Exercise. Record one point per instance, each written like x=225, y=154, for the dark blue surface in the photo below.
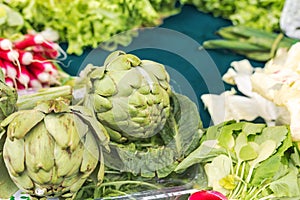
x=177, y=45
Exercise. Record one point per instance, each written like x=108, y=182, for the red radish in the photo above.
x=207, y=195
x=5, y=44
x=9, y=82
x=20, y=86
x=45, y=52
x=23, y=77
x=3, y=68
x=11, y=70
x=32, y=40
x=43, y=64
x=29, y=40
x=25, y=57
x=9, y=55
x=34, y=82
x=41, y=74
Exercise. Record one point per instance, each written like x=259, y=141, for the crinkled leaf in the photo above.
x=7, y=186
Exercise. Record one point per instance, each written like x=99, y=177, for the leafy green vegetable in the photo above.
x=288, y=185
x=253, y=13
x=88, y=23
x=259, y=163
x=10, y=21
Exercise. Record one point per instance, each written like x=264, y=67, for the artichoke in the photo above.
x=8, y=98
x=51, y=150
x=131, y=97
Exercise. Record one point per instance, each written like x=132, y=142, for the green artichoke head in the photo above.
x=129, y=96
x=8, y=98
x=51, y=150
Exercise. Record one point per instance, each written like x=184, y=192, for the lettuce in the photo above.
x=253, y=13
x=88, y=23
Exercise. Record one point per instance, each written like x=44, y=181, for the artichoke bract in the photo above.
x=8, y=98
x=51, y=150
x=130, y=97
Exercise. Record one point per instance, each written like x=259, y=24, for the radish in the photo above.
x=43, y=66
x=5, y=44
x=34, y=82
x=41, y=74
x=45, y=52
x=9, y=82
x=207, y=195
x=37, y=41
x=23, y=77
x=29, y=40
x=11, y=71
x=3, y=68
x=25, y=57
x=10, y=55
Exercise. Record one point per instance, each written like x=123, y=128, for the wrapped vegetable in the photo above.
x=51, y=150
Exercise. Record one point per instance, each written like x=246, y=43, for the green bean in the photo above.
x=232, y=45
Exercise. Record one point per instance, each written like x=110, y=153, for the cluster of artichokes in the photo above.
x=51, y=148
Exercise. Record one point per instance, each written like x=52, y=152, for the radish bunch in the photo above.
x=29, y=62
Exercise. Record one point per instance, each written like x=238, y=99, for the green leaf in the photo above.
x=266, y=149
x=295, y=157
x=205, y=152
x=266, y=170
x=253, y=129
x=288, y=185
x=226, y=139
x=275, y=133
x=188, y=125
x=247, y=152
x=7, y=186
x=214, y=132
x=241, y=140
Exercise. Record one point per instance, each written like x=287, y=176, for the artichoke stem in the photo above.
x=29, y=101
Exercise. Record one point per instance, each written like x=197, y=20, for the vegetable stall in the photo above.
x=152, y=99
